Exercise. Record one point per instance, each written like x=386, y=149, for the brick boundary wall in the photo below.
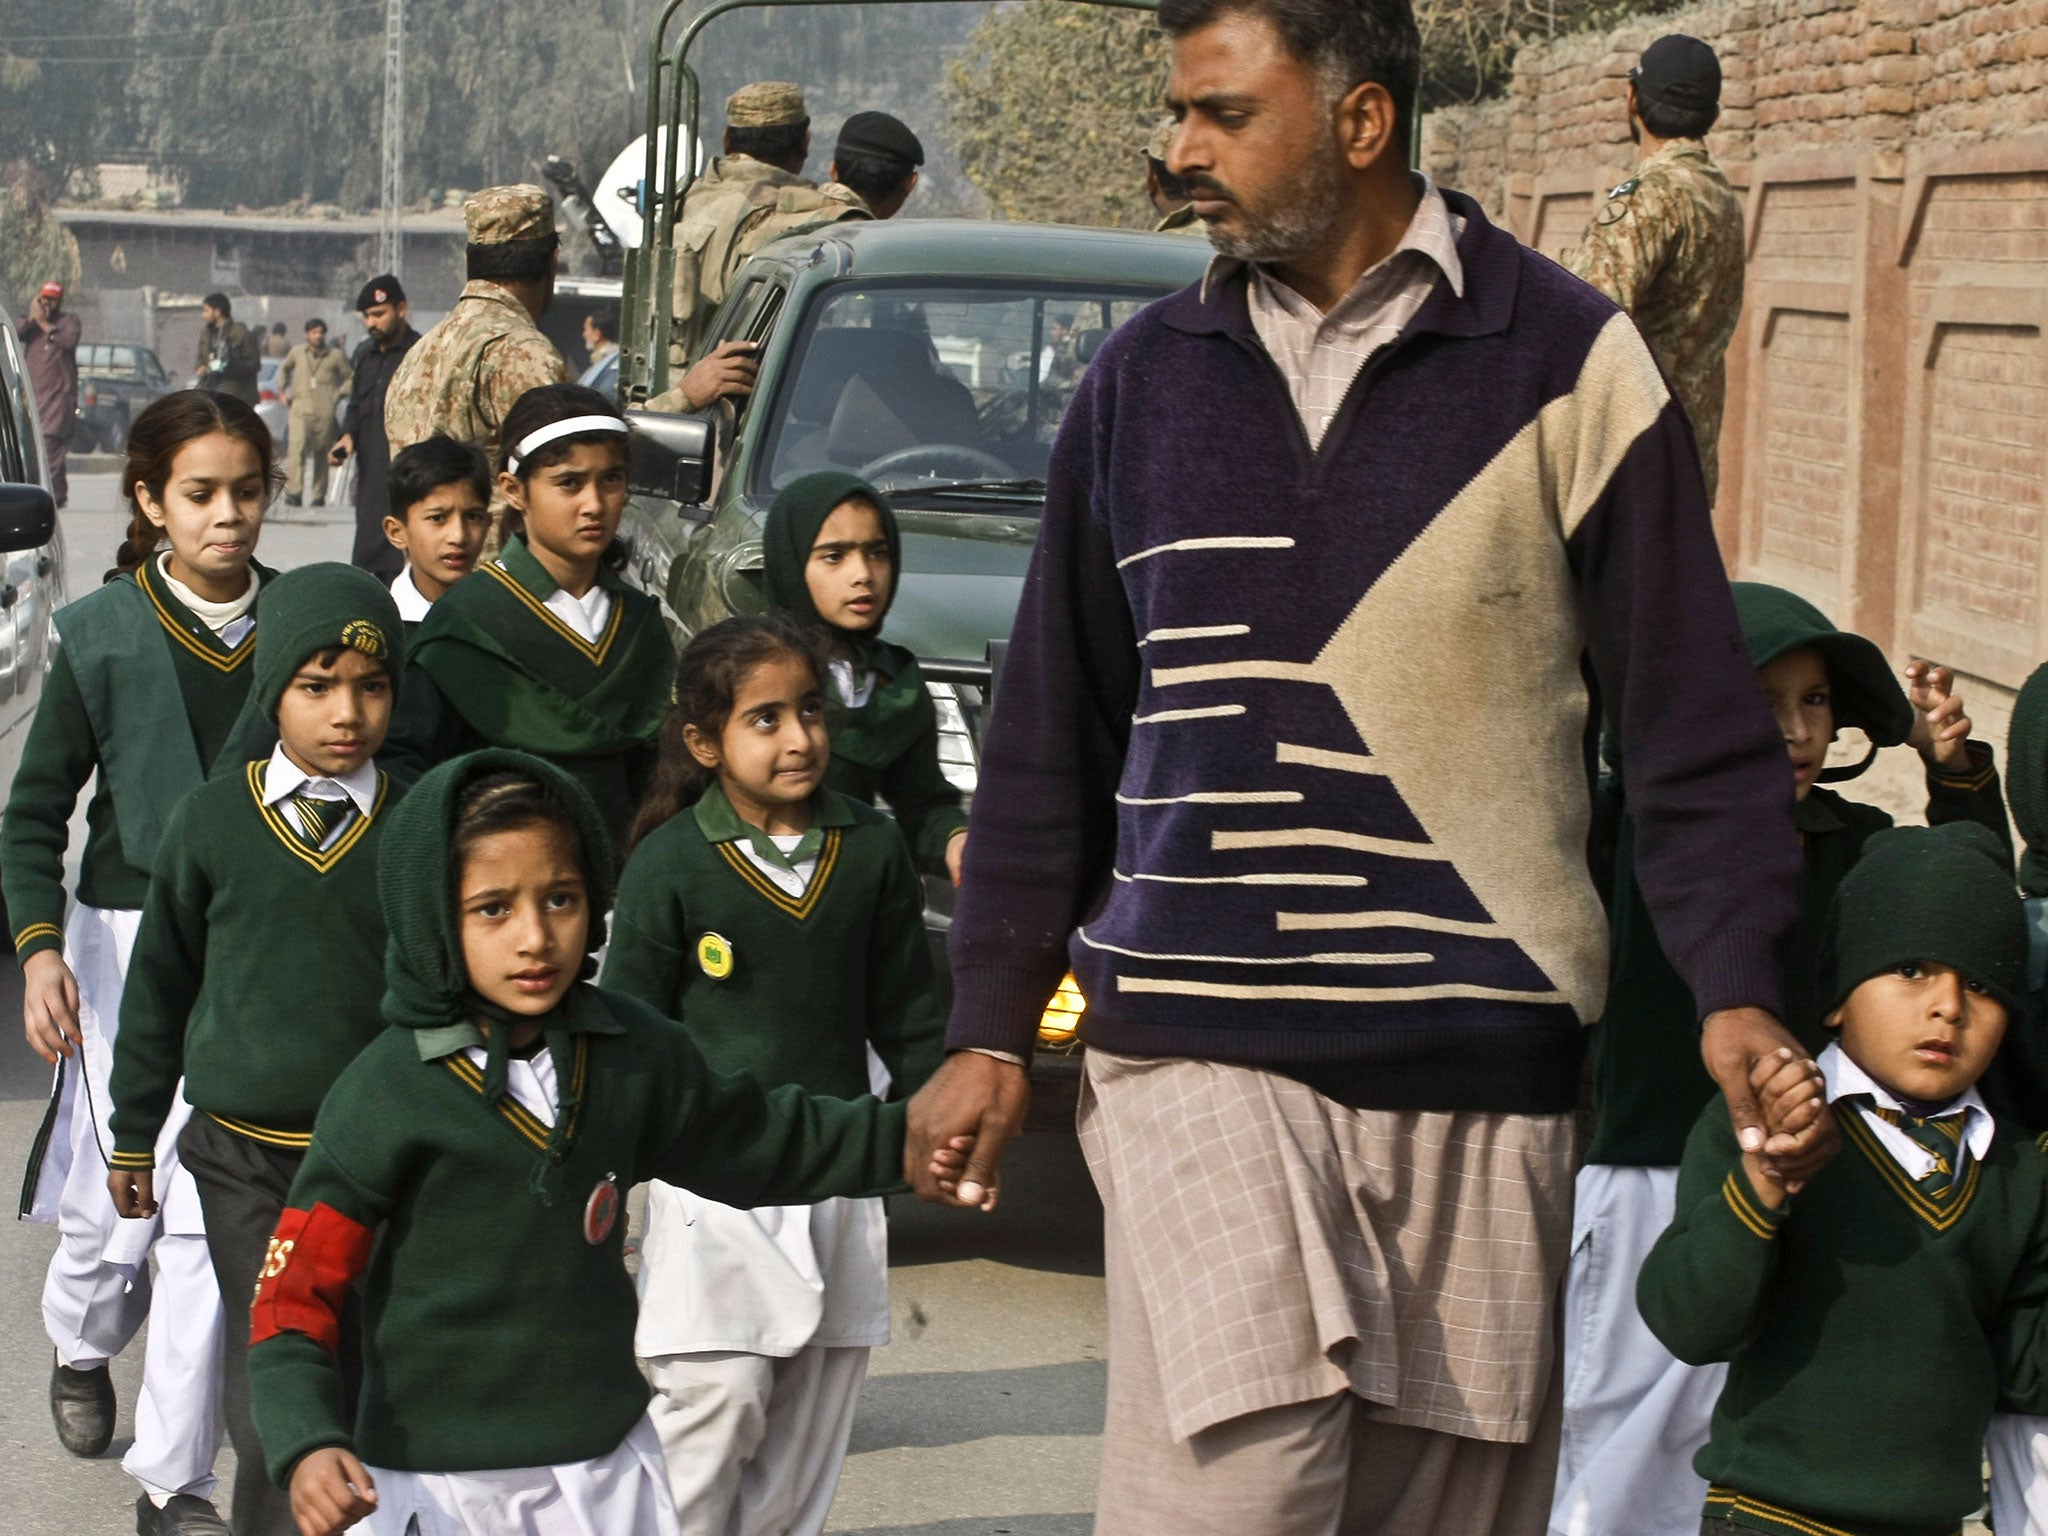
x=1885, y=450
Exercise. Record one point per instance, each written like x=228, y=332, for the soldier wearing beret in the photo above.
x=464, y=375
x=1169, y=197
x=873, y=172
x=1668, y=244
x=389, y=337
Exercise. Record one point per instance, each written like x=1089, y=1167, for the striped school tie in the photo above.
x=317, y=822
x=1941, y=1137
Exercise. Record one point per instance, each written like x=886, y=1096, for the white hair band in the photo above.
x=570, y=426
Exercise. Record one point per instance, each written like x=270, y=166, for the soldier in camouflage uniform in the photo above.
x=464, y=374
x=1176, y=209
x=767, y=140
x=1668, y=244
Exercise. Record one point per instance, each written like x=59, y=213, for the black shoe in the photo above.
x=82, y=1403
x=182, y=1515
x=320, y=501
x=291, y=498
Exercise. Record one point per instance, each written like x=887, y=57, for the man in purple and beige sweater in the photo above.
x=1347, y=554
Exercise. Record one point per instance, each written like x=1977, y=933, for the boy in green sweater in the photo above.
x=490, y=1137
x=1870, y=1318
x=440, y=497
x=255, y=968
x=1634, y=1416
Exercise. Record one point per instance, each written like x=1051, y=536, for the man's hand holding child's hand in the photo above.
x=330, y=1492
x=1792, y=1094
x=1941, y=731
x=949, y=1162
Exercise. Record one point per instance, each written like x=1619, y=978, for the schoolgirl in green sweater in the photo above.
x=544, y=648
x=489, y=1138
x=148, y=676
x=783, y=924
x=1871, y=1318
x=253, y=977
x=832, y=556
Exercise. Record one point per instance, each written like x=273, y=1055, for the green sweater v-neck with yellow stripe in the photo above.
x=258, y=971
x=498, y=1314
x=142, y=693
x=786, y=988
x=1868, y=1333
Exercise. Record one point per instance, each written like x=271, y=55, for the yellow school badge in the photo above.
x=362, y=635
x=714, y=956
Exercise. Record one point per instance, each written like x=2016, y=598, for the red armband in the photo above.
x=314, y=1258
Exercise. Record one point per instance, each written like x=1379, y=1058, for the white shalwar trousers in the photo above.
x=624, y=1493
x=98, y=1288
x=2018, y=1447
x=1633, y=1414
x=754, y=1443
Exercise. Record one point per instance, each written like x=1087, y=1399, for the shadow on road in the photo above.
x=987, y=1525
x=1028, y=1400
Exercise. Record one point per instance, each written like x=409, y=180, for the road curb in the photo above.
x=93, y=463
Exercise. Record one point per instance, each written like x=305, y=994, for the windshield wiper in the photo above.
x=1020, y=487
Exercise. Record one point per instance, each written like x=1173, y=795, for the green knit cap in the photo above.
x=1941, y=894
x=1867, y=695
x=2026, y=779
x=799, y=511
x=426, y=986
x=317, y=608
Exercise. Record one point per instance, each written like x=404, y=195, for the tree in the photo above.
x=1049, y=109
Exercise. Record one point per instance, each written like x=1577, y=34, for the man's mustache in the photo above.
x=1201, y=185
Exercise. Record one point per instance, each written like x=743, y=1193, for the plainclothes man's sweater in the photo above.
x=787, y=988
x=257, y=970
x=1648, y=1080
x=142, y=693
x=1866, y=1331
x=1297, y=745
x=498, y=1314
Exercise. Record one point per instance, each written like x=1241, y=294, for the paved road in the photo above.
x=982, y=1419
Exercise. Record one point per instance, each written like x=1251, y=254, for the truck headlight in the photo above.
x=959, y=753
x=1059, y=1026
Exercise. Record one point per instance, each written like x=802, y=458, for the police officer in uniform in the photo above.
x=1668, y=244
x=312, y=379
x=388, y=337
x=1169, y=198
x=876, y=159
x=467, y=371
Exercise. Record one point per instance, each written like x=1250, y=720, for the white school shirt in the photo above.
x=586, y=614
x=1844, y=1078
x=772, y=1280
x=230, y=620
x=282, y=777
x=530, y=1080
x=852, y=691
x=413, y=604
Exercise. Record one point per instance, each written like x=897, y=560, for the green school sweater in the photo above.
x=131, y=663
x=492, y=666
x=1866, y=1332
x=889, y=748
x=786, y=988
x=498, y=1327
x=257, y=972
x=1648, y=1080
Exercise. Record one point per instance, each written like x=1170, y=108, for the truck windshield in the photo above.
x=925, y=386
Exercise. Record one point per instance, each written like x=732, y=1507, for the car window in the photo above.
x=121, y=359
x=152, y=369
x=913, y=385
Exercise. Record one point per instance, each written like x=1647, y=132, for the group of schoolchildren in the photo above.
x=333, y=1041
x=1839, y=1357
x=363, y=1032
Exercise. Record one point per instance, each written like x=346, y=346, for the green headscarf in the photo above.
x=798, y=513
x=312, y=609
x=1867, y=695
x=1941, y=894
x=2026, y=779
x=426, y=985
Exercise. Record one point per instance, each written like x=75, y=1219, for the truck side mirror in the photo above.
x=28, y=517
x=670, y=458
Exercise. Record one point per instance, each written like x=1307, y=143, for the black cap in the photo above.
x=1679, y=72
x=380, y=290
x=877, y=133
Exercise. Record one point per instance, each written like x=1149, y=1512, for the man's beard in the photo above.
x=1303, y=212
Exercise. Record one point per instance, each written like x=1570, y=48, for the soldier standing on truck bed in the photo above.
x=1668, y=244
x=767, y=141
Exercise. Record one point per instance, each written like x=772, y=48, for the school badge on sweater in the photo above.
x=601, y=1211
x=714, y=956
